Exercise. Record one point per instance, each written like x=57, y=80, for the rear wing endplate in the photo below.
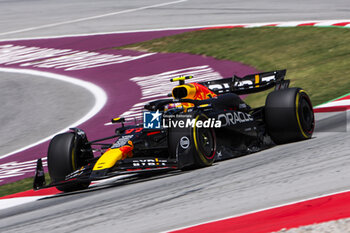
x=249, y=84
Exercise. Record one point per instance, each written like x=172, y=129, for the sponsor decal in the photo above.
x=184, y=142
x=232, y=118
x=75, y=173
x=220, y=87
x=122, y=141
x=149, y=162
x=243, y=83
x=135, y=130
x=152, y=120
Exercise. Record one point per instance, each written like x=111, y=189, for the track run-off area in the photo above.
x=217, y=183
x=274, y=177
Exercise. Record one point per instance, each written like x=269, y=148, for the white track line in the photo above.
x=246, y=25
x=98, y=93
x=335, y=104
x=90, y=18
x=12, y=202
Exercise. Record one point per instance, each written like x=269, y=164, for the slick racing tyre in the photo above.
x=63, y=158
x=289, y=115
x=205, y=144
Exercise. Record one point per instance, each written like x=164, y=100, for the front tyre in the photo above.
x=63, y=158
x=289, y=115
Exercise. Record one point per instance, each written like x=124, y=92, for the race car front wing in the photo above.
x=126, y=166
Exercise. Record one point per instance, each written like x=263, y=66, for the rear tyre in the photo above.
x=289, y=115
x=63, y=158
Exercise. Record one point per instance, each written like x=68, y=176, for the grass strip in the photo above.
x=316, y=59
x=19, y=186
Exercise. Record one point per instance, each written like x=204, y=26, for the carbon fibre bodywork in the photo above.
x=137, y=149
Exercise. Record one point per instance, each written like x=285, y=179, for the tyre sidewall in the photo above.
x=284, y=117
x=60, y=156
x=62, y=160
x=201, y=158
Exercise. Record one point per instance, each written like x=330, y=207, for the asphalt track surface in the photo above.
x=33, y=18
x=34, y=107
x=269, y=178
x=272, y=177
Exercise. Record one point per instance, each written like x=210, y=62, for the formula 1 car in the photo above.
x=202, y=123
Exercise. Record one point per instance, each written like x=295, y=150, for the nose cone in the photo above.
x=111, y=156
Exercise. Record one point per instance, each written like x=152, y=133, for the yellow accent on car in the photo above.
x=257, y=80
x=203, y=105
x=186, y=91
x=73, y=160
x=108, y=159
x=297, y=112
x=182, y=78
x=118, y=120
x=196, y=143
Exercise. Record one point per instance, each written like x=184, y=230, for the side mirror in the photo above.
x=118, y=120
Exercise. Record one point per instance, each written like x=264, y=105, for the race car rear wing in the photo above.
x=249, y=84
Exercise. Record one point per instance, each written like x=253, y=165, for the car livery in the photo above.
x=202, y=123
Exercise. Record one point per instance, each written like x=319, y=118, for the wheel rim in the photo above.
x=306, y=115
x=206, y=142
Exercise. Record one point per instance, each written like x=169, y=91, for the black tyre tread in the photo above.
x=62, y=161
x=59, y=156
x=285, y=123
